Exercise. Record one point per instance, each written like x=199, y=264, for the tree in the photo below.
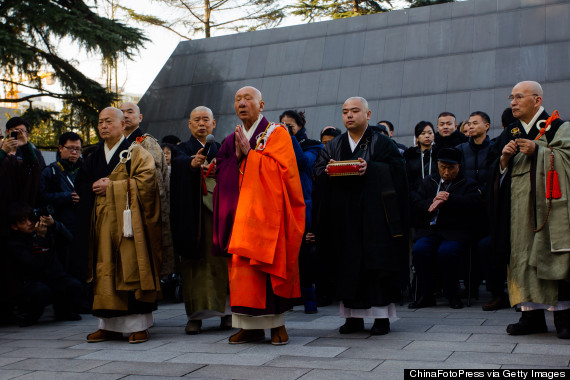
x=30, y=32
x=313, y=10
x=190, y=17
x=423, y=3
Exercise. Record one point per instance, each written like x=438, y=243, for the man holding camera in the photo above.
x=40, y=275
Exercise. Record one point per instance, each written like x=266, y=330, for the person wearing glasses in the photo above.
x=530, y=214
x=57, y=189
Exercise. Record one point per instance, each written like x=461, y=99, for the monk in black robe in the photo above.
x=362, y=221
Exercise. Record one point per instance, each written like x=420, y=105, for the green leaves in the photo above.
x=30, y=32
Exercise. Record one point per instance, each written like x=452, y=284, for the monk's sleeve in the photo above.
x=271, y=206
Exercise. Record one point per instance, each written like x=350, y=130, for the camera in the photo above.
x=14, y=135
x=42, y=211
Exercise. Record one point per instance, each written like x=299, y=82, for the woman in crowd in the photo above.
x=419, y=160
x=306, y=152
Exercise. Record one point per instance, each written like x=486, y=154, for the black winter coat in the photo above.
x=34, y=258
x=474, y=161
x=56, y=187
x=455, y=219
x=413, y=158
x=450, y=141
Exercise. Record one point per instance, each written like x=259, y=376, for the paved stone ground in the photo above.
x=437, y=337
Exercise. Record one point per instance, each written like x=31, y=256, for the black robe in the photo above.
x=363, y=221
x=133, y=136
x=186, y=197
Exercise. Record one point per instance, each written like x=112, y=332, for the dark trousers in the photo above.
x=495, y=270
x=64, y=292
x=432, y=254
x=307, y=264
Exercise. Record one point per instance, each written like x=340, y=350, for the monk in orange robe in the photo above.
x=259, y=220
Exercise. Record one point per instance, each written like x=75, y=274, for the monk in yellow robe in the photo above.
x=259, y=220
x=124, y=265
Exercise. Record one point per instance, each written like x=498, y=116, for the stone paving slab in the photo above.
x=386, y=353
x=50, y=375
x=409, y=326
x=461, y=346
x=41, y=343
x=289, y=349
x=11, y=373
x=247, y=372
x=320, y=374
x=237, y=359
x=131, y=356
x=5, y=360
x=59, y=365
x=435, y=336
x=546, y=338
x=363, y=343
x=325, y=363
x=468, y=329
x=154, y=369
x=118, y=345
x=542, y=349
x=516, y=359
x=191, y=346
x=444, y=321
x=44, y=353
x=401, y=365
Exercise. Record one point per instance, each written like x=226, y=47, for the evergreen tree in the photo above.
x=423, y=3
x=189, y=17
x=313, y=10
x=30, y=32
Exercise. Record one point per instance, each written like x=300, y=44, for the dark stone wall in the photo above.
x=409, y=64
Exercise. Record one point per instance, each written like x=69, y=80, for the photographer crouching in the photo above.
x=31, y=255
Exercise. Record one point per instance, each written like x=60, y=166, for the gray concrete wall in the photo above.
x=410, y=64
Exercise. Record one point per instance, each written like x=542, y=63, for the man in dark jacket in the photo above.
x=447, y=136
x=32, y=256
x=57, y=189
x=443, y=208
x=18, y=124
x=475, y=166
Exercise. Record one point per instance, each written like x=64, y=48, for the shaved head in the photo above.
x=526, y=100
x=127, y=105
x=111, y=125
x=252, y=90
x=363, y=102
x=114, y=110
x=532, y=86
x=202, y=109
x=248, y=104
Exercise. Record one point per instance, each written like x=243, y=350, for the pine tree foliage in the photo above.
x=314, y=10
x=423, y=3
x=30, y=32
x=188, y=18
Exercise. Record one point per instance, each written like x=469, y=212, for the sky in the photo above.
x=136, y=75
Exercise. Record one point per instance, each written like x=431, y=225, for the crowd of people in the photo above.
x=268, y=218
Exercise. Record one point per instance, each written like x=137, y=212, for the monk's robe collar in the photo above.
x=527, y=127
x=251, y=132
x=258, y=128
x=109, y=152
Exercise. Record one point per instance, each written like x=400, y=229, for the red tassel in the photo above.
x=553, y=184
